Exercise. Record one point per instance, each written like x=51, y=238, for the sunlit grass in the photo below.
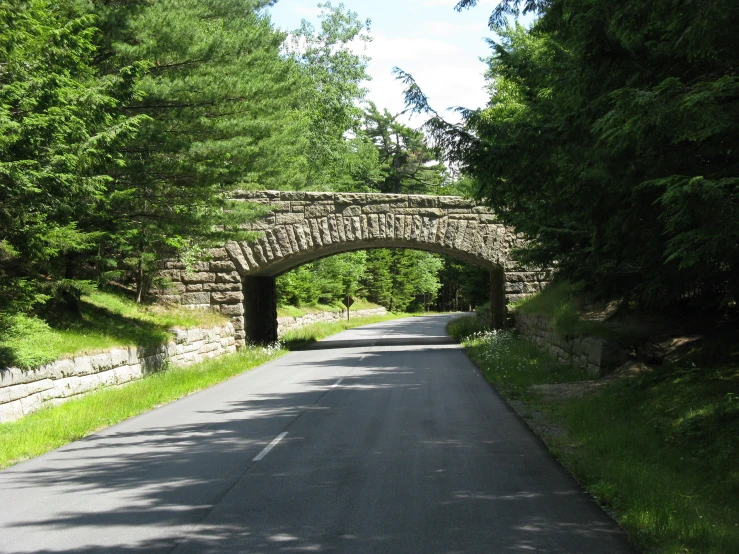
x=108, y=320
x=659, y=451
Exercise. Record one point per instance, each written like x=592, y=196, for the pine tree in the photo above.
x=59, y=128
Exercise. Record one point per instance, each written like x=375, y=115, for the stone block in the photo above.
x=289, y=219
x=416, y=201
x=196, y=298
x=376, y=209
x=194, y=288
x=232, y=309
x=318, y=210
x=217, y=254
x=232, y=277
x=11, y=411
x=107, y=378
x=352, y=211
x=199, y=277
x=227, y=297
x=83, y=365
x=279, y=206
x=453, y=202
x=101, y=362
x=61, y=368
x=13, y=393
x=222, y=267
x=222, y=287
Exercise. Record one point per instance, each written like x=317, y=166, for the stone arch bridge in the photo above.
x=300, y=227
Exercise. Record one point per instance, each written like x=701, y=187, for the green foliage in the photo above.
x=333, y=77
x=324, y=281
x=610, y=139
x=59, y=128
x=408, y=164
x=299, y=338
x=216, y=91
x=402, y=279
x=464, y=285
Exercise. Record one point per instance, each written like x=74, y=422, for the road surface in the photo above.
x=380, y=439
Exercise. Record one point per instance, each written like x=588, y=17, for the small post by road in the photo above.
x=348, y=301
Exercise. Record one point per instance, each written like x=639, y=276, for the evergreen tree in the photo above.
x=216, y=93
x=408, y=164
x=59, y=128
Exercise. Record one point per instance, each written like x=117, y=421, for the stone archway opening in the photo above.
x=260, y=303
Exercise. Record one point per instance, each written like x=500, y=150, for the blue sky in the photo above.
x=440, y=47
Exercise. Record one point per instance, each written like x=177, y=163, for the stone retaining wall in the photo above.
x=598, y=356
x=25, y=391
x=287, y=323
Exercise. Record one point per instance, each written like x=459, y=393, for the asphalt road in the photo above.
x=389, y=441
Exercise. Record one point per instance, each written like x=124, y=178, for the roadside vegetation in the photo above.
x=105, y=320
x=657, y=450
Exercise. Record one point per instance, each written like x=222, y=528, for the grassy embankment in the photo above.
x=108, y=320
x=658, y=450
x=114, y=322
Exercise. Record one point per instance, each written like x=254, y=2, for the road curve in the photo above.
x=381, y=439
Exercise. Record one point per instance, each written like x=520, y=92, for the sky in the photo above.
x=440, y=47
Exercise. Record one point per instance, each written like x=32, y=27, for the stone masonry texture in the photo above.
x=596, y=355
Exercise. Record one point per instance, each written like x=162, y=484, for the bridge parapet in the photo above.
x=303, y=226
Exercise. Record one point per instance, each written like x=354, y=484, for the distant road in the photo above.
x=381, y=439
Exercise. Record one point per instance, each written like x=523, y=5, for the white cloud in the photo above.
x=446, y=74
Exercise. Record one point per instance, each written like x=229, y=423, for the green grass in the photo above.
x=299, y=311
x=658, y=451
x=53, y=427
x=309, y=334
x=108, y=320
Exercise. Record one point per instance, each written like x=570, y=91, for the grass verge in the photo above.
x=108, y=320
x=53, y=427
x=658, y=450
